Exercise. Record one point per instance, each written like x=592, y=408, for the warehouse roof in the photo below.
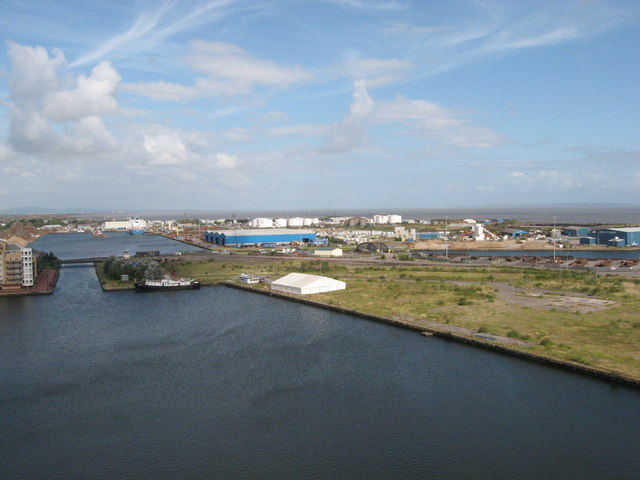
x=626, y=229
x=303, y=283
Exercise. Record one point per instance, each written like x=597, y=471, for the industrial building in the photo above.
x=250, y=237
x=384, y=219
x=17, y=266
x=328, y=252
x=303, y=284
x=576, y=231
x=617, y=237
x=587, y=241
x=131, y=223
x=249, y=279
x=428, y=235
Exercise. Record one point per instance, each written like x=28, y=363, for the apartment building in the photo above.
x=17, y=266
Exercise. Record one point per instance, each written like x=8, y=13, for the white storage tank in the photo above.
x=295, y=222
x=307, y=222
x=264, y=223
x=395, y=219
x=280, y=222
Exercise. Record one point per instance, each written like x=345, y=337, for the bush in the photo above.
x=518, y=335
x=462, y=301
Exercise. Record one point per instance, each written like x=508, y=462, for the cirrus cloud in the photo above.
x=229, y=69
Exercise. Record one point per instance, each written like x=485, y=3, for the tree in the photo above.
x=153, y=271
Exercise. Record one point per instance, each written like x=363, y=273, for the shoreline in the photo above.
x=476, y=342
x=408, y=324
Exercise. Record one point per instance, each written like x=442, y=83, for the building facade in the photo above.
x=132, y=223
x=576, y=231
x=17, y=266
x=617, y=237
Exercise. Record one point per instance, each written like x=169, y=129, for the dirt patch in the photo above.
x=551, y=300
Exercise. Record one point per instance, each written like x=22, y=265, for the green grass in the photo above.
x=465, y=296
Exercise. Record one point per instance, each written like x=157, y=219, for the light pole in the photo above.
x=553, y=239
x=446, y=233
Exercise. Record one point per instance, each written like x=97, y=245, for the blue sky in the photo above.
x=237, y=104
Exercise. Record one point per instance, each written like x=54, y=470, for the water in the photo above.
x=82, y=245
x=219, y=383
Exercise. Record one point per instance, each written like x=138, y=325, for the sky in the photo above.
x=318, y=104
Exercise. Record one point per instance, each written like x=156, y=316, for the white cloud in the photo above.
x=93, y=95
x=497, y=29
x=226, y=161
x=445, y=125
x=49, y=119
x=33, y=73
x=230, y=71
x=426, y=119
x=165, y=149
x=5, y=152
x=89, y=135
x=377, y=71
x=352, y=132
x=152, y=28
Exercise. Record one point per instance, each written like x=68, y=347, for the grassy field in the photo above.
x=608, y=339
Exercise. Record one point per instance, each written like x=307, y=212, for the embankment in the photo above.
x=477, y=342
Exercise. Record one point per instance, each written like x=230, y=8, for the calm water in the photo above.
x=82, y=245
x=219, y=383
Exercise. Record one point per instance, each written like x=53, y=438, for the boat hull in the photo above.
x=141, y=287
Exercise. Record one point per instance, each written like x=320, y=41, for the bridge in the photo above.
x=71, y=261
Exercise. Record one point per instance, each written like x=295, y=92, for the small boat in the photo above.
x=166, y=284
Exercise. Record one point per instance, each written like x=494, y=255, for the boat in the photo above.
x=136, y=231
x=166, y=284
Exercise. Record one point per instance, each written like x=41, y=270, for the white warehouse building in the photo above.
x=304, y=284
x=131, y=223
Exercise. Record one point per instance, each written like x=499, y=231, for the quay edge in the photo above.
x=476, y=342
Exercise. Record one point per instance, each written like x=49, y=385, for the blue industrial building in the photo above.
x=428, y=235
x=617, y=237
x=320, y=242
x=257, y=237
x=576, y=231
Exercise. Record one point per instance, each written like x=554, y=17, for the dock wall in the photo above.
x=414, y=326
